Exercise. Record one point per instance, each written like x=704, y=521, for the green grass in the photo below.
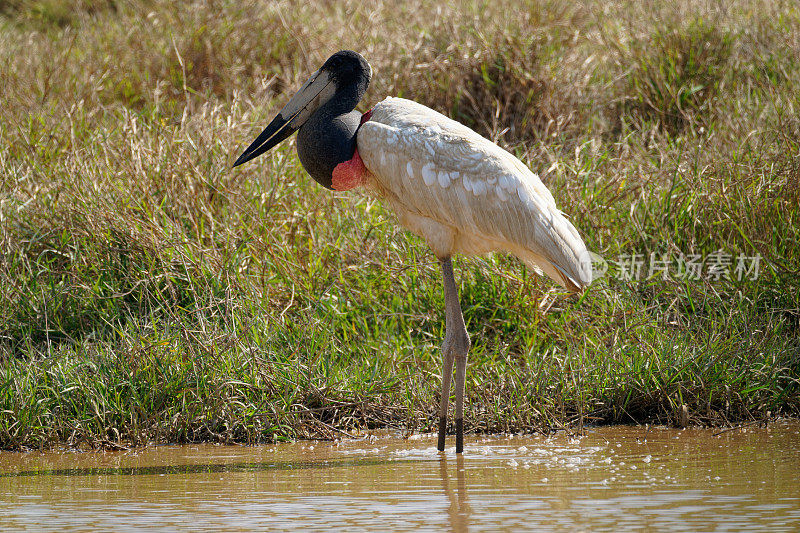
x=149, y=293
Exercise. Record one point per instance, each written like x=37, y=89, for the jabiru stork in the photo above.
x=452, y=187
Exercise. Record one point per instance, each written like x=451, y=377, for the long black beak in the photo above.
x=314, y=93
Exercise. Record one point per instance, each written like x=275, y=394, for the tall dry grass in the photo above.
x=148, y=292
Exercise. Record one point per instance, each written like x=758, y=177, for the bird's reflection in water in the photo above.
x=458, y=507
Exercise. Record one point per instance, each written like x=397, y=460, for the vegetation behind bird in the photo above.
x=147, y=293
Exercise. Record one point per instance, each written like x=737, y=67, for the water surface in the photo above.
x=611, y=479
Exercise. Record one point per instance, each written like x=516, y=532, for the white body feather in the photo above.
x=462, y=193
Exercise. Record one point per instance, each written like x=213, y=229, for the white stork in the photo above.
x=455, y=189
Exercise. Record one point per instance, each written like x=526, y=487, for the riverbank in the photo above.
x=149, y=293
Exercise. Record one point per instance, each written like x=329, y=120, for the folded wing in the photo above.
x=431, y=168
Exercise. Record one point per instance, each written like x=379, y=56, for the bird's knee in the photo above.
x=457, y=345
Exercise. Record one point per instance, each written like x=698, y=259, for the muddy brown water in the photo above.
x=611, y=479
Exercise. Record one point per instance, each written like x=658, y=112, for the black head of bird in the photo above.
x=324, y=112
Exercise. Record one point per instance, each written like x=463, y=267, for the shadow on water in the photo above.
x=458, y=507
x=200, y=468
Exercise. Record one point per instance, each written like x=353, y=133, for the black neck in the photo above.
x=329, y=136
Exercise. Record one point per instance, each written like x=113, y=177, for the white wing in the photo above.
x=463, y=193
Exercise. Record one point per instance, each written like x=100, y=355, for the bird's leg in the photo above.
x=447, y=373
x=455, y=348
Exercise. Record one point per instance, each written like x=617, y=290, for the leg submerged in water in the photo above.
x=454, y=349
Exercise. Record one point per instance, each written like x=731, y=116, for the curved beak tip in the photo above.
x=241, y=159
